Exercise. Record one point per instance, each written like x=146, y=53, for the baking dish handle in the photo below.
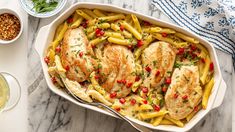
x=42, y=34
x=220, y=94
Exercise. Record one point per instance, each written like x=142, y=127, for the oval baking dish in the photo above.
x=46, y=33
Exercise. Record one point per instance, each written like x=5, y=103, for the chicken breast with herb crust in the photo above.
x=157, y=60
x=76, y=55
x=184, y=92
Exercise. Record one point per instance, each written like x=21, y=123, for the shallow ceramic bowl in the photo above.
x=10, y=11
x=46, y=34
x=27, y=5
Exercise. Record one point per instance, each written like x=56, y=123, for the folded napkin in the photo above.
x=212, y=19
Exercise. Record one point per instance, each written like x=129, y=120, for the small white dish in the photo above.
x=28, y=5
x=10, y=11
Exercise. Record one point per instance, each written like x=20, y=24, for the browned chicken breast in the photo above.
x=157, y=60
x=184, y=93
x=117, y=70
x=76, y=55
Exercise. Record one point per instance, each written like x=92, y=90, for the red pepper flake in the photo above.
x=121, y=27
x=157, y=73
x=123, y=81
x=113, y=95
x=145, y=101
x=193, y=47
x=119, y=81
x=133, y=101
x=164, y=35
x=70, y=20
x=146, y=23
x=99, y=32
x=137, y=78
x=195, y=108
x=129, y=84
x=97, y=76
x=145, y=90
x=185, y=97
x=203, y=60
x=129, y=47
x=164, y=89
x=148, y=69
x=176, y=95
x=140, y=43
x=117, y=109
x=53, y=79
x=58, y=49
x=122, y=100
x=156, y=107
x=211, y=66
x=194, y=55
x=81, y=54
x=168, y=80
x=67, y=68
x=180, y=51
x=47, y=60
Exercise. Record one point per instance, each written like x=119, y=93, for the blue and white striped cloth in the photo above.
x=212, y=19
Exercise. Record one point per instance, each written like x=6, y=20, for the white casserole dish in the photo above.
x=46, y=34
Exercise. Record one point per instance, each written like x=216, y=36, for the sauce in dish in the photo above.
x=144, y=71
x=4, y=92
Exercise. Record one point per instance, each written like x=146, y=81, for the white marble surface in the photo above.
x=13, y=59
x=49, y=112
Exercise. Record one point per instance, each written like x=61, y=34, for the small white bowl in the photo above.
x=27, y=5
x=10, y=11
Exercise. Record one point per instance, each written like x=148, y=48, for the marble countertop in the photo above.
x=49, y=112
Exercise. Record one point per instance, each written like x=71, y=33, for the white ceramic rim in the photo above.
x=43, y=40
x=42, y=15
x=10, y=11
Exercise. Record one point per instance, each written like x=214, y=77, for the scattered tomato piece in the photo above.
x=137, y=78
x=147, y=23
x=176, y=96
x=67, y=68
x=81, y=54
x=53, y=79
x=47, y=60
x=164, y=89
x=122, y=100
x=119, y=81
x=99, y=32
x=123, y=81
x=129, y=47
x=84, y=24
x=164, y=35
x=145, y=90
x=133, y=101
x=145, y=101
x=140, y=43
x=168, y=80
x=97, y=76
x=185, y=97
x=117, y=109
x=156, y=107
x=58, y=49
x=113, y=95
x=129, y=84
x=121, y=27
x=180, y=51
x=157, y=73
x=70, y=20
x=203, y=60
x=193, y=47
x=195, y=108
x=148, y=69
x=211, y=66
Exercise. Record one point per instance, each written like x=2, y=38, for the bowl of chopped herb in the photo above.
x=42, y=8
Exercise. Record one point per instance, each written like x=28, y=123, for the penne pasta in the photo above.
x=143, y=107
x=90, y=13
x=157, y=120
x=119, y=41
x=127, y=34
x=96, y=41
x=96, y=85
x=177, y=122
x=60, y=36
x=59, y=66
x=132, y=30
x=187, y=38
x=84, y=15
x=137, y=53
x=190, y=116
x=166, y=122
x=207, y=92
x=99, y=13
x=152, y=29
x=112, y=18
x=136, y=22
x=102, y=26
x=77, y=23
x=150, y=115
x=205, y=70
x=113, y=34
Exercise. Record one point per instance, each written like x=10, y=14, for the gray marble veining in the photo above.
x=49, y=112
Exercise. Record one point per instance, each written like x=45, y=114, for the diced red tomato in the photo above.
x=133, y=101
x=47, y=60
x=129, y=47
x=145, y=101
x=157, y=73
x=164, y=89
x=67, y=68
x=176, y=95
x=137, y=78
x=164, y=35
x=211, y=66
x=129, y=84
x=53, y=79
x=99, y=32
x=84, y=24
x=156, y=107
x=117, y=109
x=122, y=27
x=122, y=100
x=168, y=80
x=180, y=51
x=185, y=97
x=140, y=43
x=113, y=95
x=119, y=81
x=203, y=60
x=123, y=81
x=58, y=49
x=195, y=108
x=81, y=54
x=97, y=76
x=70, y=20
x=145, y=90
x=148, y=69
x=193, y=47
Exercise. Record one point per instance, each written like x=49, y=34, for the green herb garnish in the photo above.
x=41, y=6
